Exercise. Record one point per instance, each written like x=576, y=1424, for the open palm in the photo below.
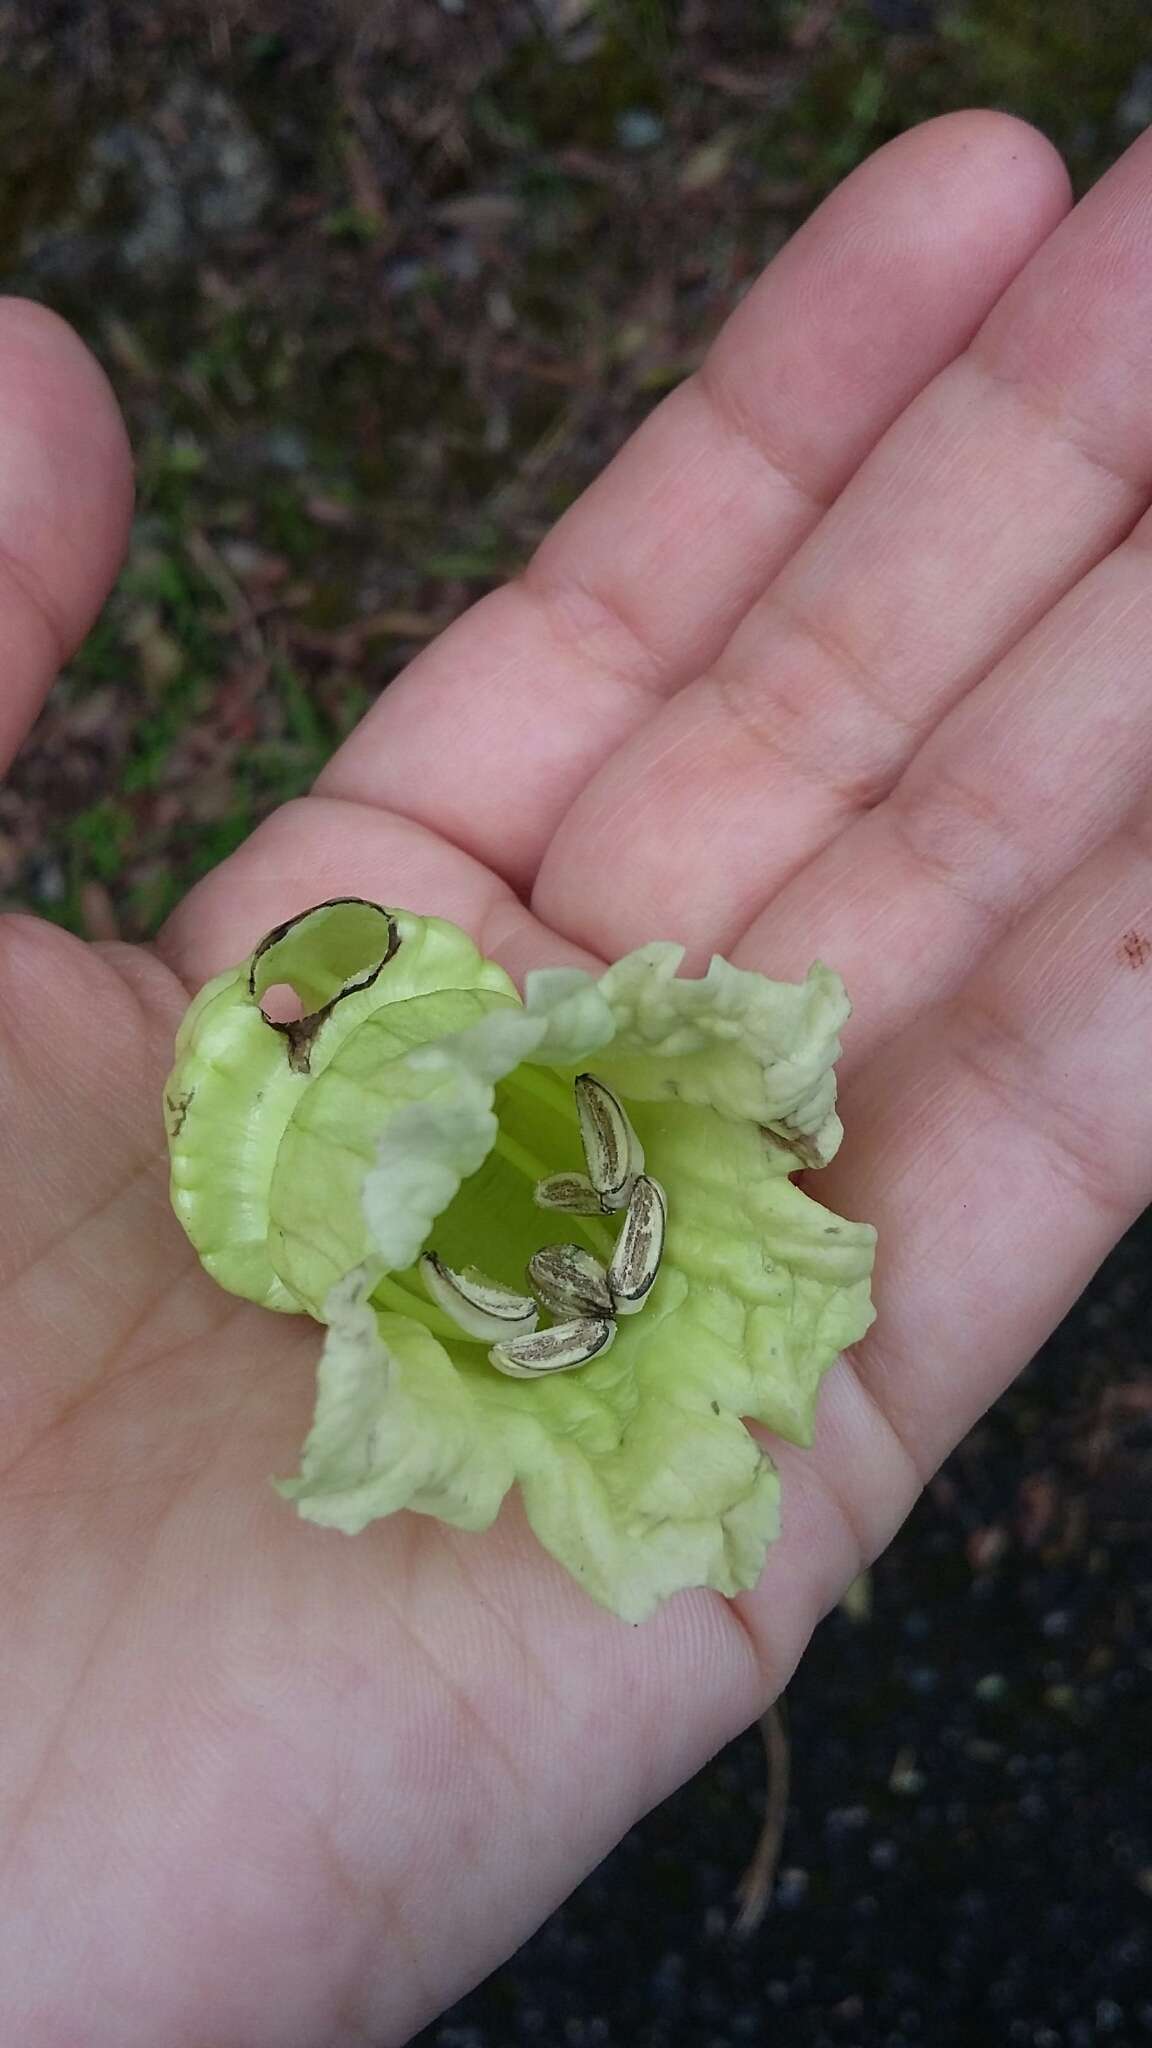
x=846, y=655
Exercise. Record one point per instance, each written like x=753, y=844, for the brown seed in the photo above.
x=612, y=1149
x=639, y=1247
x=557, y=1350
x=571, y=1192
x=480, y=1307
x=569, y=1281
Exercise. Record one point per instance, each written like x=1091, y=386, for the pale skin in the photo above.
x=847, y=654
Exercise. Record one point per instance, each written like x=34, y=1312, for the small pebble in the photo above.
x=791, y=1887
x=991, y=1687
x=639, y=128
x=1057, y=1623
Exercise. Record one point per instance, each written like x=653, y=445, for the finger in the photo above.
x=1002, y=1145
x=65, y=503
x=493, y=730
x=1025, y=778
x=1023, y=464
x=320, y=847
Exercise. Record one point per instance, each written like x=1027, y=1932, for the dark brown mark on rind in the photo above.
x=787, y=1141
x=1136, y=949
x=178, y=1111
x=301, y=1032
x=301, y=1036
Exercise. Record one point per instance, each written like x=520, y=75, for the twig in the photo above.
x=241, y=618
x=754, y=1890
x=347, y=643
x=814, y=23
x=219, y=34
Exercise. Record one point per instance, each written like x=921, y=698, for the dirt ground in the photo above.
x=380, y=287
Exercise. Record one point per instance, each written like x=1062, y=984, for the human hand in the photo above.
x=845, y=655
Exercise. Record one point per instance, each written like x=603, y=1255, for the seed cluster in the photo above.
x=568, y=1282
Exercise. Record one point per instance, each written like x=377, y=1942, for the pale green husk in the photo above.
x=419, y=1112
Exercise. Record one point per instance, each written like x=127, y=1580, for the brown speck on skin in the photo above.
x=178, y=1111
x=1135, y=949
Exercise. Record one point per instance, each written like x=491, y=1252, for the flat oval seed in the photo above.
x=481, y=1308
x=557, y=1350
x=639, y=1247
x=612, y=1149
x=569, y=1281
x=572, y=1192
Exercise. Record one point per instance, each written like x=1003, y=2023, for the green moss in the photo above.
x=44, y=143
x=537, y=102
x=99, y=840
x=1048, y=61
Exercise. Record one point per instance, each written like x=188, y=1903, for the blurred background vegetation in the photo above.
x=380, y=286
